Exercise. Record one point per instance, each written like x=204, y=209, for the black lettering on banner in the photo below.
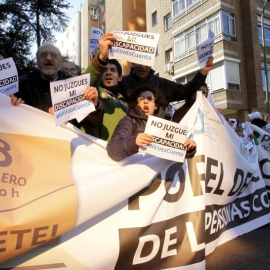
x=212, y=176
x=174, y=169
x=263, y=167
x=162, y=245
x=195, y=177
x=5, y=157
x=241, y=182
x=220, y=218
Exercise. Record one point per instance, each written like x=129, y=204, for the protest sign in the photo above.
x=68, y=100
x=205, y=49
x=168, y=139
x=8, y=77
x=254, y=115
x=135, y=47
x=95, y=34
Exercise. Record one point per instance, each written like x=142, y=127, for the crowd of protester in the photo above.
x=121, y=102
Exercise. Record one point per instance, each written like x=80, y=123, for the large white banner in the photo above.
x=144, y=212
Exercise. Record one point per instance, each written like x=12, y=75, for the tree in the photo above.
x=40, y=18
x=27, y=21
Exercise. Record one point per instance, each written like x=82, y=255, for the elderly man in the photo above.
x=34, y=88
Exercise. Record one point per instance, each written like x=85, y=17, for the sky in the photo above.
x=71, y=12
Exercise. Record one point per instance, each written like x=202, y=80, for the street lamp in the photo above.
x=265, y=63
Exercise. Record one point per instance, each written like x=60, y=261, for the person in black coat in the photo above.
x=129, y=134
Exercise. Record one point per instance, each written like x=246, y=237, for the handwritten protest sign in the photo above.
x=135, y=47
x=169, y=138
x=95, y=34
x=205, y=49
x=8, y=77
x=68, y=100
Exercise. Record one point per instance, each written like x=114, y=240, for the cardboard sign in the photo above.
x=8, y=77
x=68, y=100
x=169, y=138
x=205, y=49
x=135, y=47
x=95, y=34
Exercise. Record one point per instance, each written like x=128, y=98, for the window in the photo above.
x=228, y=26
x=168, y=56
x=184, y=6
x=264, y=79
x=266, y=35
x=222, y=24
x=167, y=22
x=154, y=18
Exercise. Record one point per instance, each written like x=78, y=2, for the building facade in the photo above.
x=69, y=42
x=74, y=41
x=236, y=82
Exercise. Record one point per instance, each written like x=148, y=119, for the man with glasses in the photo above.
x=34, y=88
x=70, y=69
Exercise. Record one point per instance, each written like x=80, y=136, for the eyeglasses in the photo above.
x=45, y=55
x=150, y=99
x=70, y=70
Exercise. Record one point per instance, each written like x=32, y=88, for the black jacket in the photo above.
x=167, y=91
x=35, y=91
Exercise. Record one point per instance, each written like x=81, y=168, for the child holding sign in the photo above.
x=129, y=134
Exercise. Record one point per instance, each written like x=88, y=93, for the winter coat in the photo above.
x=167, y=91
x=123, y=141
x=35, y=91
x=112, y=102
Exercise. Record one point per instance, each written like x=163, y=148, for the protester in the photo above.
x=129, y=134
x=168, y=91
x=106, y=75
x=168, y=112
x=70, y=69
x=181, y=112
x=34, y=88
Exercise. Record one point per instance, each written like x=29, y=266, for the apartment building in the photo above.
x=125, y=15
x=74, y=41
x=237, y=81
x=69, y=42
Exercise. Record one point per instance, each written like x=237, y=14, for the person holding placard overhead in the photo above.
x=129, y=134
x=167, y=90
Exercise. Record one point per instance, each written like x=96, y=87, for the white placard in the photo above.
x=205, y=49
x=254, y=115
x=8, y=77
x=68, y=100
x=169, y=138
x=247, y=142
x=95, y=34
x=135, y=47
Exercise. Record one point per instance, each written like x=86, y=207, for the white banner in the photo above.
x=9, y=84
x=135, y=47
x=141, y=213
